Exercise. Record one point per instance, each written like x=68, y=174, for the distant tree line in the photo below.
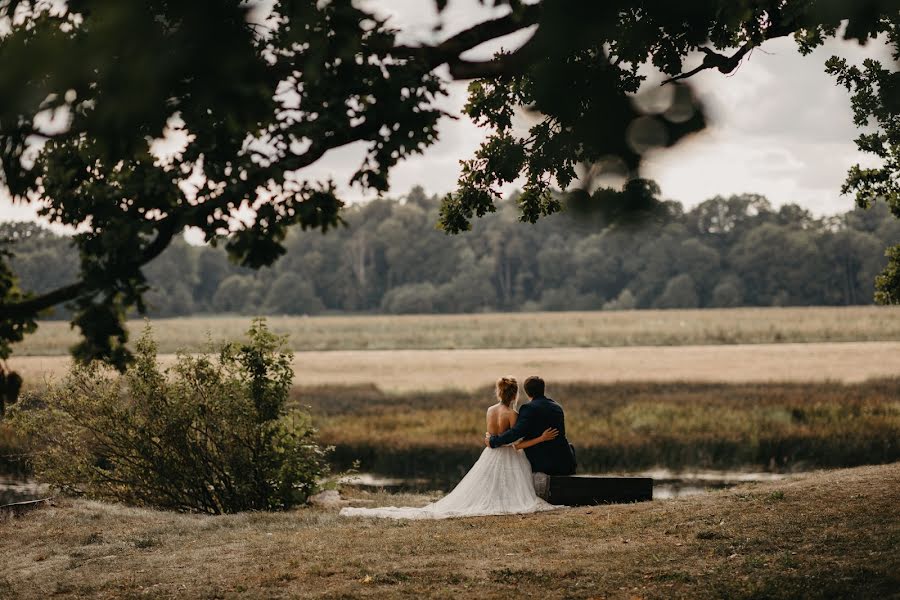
x=727, y=251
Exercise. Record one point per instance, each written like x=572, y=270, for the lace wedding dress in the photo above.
x=500, y=483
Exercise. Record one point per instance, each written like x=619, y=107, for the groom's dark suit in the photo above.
x=555, y=457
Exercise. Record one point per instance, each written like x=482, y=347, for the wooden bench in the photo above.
x=585, y=490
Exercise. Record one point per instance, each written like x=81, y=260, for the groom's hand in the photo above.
x=487, y=439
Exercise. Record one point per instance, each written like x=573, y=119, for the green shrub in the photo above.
x=208, y=434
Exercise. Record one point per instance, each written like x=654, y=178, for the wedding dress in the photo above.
x=500, y=483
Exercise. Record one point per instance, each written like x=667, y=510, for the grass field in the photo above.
x=518, y=330
x=822, y=535
x=625, y=426
x=431, y=370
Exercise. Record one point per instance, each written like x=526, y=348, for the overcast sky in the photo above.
x=779, y=126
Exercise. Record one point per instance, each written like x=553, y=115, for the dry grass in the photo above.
x=519, y=330
x=424, y=370
x=822, y=535
x=624, y=426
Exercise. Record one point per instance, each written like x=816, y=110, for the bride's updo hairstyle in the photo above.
x=507, y=390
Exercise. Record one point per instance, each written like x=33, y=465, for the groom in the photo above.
x=554, y=457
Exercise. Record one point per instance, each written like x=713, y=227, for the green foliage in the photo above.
x=876, y=105
x=411, y=298
x=292, y=294
x=888, y=283
x=680, y=292
x=207, y=435
x=11, y=329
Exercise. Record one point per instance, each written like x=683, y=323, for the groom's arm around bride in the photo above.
x=555, y=457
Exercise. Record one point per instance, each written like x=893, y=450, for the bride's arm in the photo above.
x=549, y=434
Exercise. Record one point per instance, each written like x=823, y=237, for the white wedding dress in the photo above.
x=500, y=483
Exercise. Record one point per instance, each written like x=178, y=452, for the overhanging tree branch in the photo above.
x=726, y=64
x=171, y=225
x=168, y=229
x=449, y=50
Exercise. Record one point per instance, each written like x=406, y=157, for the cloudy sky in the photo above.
x=779, y=125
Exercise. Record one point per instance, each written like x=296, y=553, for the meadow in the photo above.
x=515, y=330
x=624, y=426
x=830, y=534
x=399, y=371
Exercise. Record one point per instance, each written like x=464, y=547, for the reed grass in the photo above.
x=624, y=426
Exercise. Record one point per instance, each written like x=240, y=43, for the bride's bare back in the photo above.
x=500, y=418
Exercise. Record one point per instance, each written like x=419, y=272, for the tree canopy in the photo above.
x=254, y=92
x=391, y=260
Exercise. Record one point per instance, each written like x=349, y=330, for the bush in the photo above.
x=208, y=434
x=727, y=293
x=680, y=292
x=414, y=298
x=624, y=301
x=292, y=294
x=237, y=293
x=568, y=298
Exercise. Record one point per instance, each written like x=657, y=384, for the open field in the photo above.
x=624, y=427
x=518, y=330
x=418, y=370
x=822, y=535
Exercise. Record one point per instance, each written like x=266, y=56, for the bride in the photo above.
x=499, y=483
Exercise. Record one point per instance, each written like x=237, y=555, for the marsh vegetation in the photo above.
x=624, y=426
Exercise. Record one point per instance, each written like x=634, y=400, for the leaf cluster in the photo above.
x=208, y=435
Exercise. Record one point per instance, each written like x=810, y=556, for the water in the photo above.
x=666, y=483
x=672, y=484
x=16, y=489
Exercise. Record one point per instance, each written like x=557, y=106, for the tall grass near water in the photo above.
x=624, y=426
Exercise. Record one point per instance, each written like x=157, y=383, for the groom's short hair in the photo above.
x=534, y=386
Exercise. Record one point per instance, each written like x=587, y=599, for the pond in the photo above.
x=666, y=483
x=17, y=489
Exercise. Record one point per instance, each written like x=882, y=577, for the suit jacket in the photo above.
x=556, y=457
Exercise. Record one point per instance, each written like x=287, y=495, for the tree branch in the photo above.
x=727, y=64
x=502, y=65
x=167, y=230
x=449, y=50
x=714, y=60
x=172, y=225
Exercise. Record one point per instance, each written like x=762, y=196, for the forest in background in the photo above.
x=725, y=252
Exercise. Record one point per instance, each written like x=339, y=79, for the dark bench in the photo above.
x=585, y=490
